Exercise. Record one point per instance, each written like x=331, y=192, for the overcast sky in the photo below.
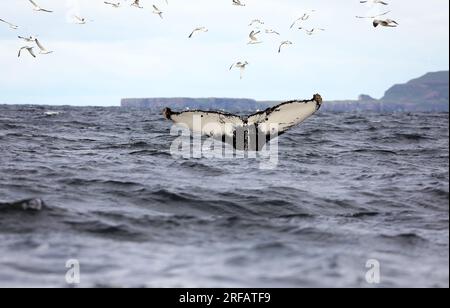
x=130, y=52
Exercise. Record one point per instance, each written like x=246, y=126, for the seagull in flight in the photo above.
x=38, y=8
x=80, y=20
x=199, y=29
x=312, y=31
x=30, y=39
x=385, y=23
x=271, y=31
x=257, y=22
x=114, y=5
x=43, y=50
x=374, y=2
x=284, y=43
x=238, y=3
x=27, y=48
x=304, y=17
x=12, y=26
x=136, y=4
x=253, y=39
x=157, y=11
x=241, y=66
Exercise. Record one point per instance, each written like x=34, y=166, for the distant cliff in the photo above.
x=429, y=93
x=433, y=87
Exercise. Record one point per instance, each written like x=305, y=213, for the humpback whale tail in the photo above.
x=247, y=133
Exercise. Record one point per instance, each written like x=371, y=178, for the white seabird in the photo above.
x=385, y=23
x=284, y=43
x=115, y=5
x=238, y=3
x=27, y=48
x=374, y=2
x=37, y=8
x=12, y=26
x=312, y=31
x=137, y=4
x=271, y=31
x=241, y=66
x=157, y=11
x=253, y=38
x=304, y=17
x=199, y=29
x=256, y=22
x=80, y=20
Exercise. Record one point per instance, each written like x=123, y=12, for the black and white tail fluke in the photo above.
x=247, y=133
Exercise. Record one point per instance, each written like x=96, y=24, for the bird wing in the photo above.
x=277, y=120
x=253, y=35
x=293, y=24
x=195, y=30
x=40, y=45
x=30, y=50
x=11, y=25
x=207, y=123
x=34, y=4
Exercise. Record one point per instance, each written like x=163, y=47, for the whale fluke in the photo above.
x=247, y=133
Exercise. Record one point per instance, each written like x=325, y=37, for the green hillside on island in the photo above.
x=429, y=93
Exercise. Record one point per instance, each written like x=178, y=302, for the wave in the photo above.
x=371, y=151
x=409, y=239
x=401, y=137
x=151, y=152
x=108, y=230
x=91, y=182
x=197, y=166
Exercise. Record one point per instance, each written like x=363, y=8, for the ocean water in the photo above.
x=106, y=191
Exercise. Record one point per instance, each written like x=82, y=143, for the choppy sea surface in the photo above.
x=348, y=188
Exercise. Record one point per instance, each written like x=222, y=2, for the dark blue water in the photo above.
x=348, y=188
